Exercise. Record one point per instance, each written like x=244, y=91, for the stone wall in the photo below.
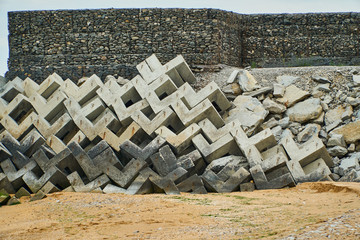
x=76, y=43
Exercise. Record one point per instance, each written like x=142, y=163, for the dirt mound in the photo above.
x=308, y=210
x=335, y=187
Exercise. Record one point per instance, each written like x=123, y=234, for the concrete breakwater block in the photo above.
x=153, y=133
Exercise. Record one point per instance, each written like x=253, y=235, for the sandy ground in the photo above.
x=308, y=211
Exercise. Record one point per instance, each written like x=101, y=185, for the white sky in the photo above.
x=240, y=6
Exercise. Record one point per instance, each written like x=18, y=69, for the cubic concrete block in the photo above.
x=85, y=91
x=6, y=184
x=201, y=111
x=122, y=177
x=125, y=101
x=133, y=151
x=4, y=152
x=30, y=87
x=22, y=192
x=92, y=118
x=48, y=108
x=70, y=133
x=18, y=116
x=123, y=134
x=213, y=93
x=51, y=84
x=49, y=188
x=163, y=93
x=177, y=69
x=53, y=174
x=64, y=161
x=20, y=151
x=261, y=140
x=85, y=162
x=150, y=121
x=262, y=182
x=213, y=134
x=192, y=184
x=179, y=142
x=211, y=151
x=38, y=196
x=214, y=183
x=79, y=186
x=312, y=172
x=307, y=152
x=15, y=176
x=113, y=189
x=49, y=128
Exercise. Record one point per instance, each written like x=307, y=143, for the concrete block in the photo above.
x=312, y=172
x=307, y=152
x=149, y=121
x=38, y=196
x=123, y=134
x=213, y=134
x=177, y=69
x=10, y=90
x=13, y=201
x=92, y=118
x=70, y=133
x=179, y=142
x=48, y=128
x=20, y=151
x=191, y=184
x=22, y=192
x=113, y=189
x=134, y=151
x=213, y=93
x=53, y=175
x=79, y=186
x=211, y=151
x=49, y=107
x=4, y=152
x=6, y=184
x=50, y=85
x=262, y=182
x=261, y=140
x=123, y=100
x=15, y=176
x=83, y=93
x=4, y=197
x=163, y=93
x=122, y=177
x=30, y=87
x=85, y=162
x=49, y=188
x=214, y=183
x=247, y=187
x=18, y=116
x=201, y=111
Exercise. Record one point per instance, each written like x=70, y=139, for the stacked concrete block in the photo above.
x=153, y=133
x=308, y=162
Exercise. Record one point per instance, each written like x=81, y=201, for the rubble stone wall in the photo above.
x=76, y=43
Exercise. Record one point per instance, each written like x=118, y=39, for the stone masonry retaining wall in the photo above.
x=76, y=43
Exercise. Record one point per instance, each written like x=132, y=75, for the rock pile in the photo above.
x=324, y=113
x=155, y=133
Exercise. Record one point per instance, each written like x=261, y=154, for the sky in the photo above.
x=239, y=6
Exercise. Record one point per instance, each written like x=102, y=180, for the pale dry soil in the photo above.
x=309, y=211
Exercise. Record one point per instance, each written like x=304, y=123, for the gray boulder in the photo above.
x=304, y=111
